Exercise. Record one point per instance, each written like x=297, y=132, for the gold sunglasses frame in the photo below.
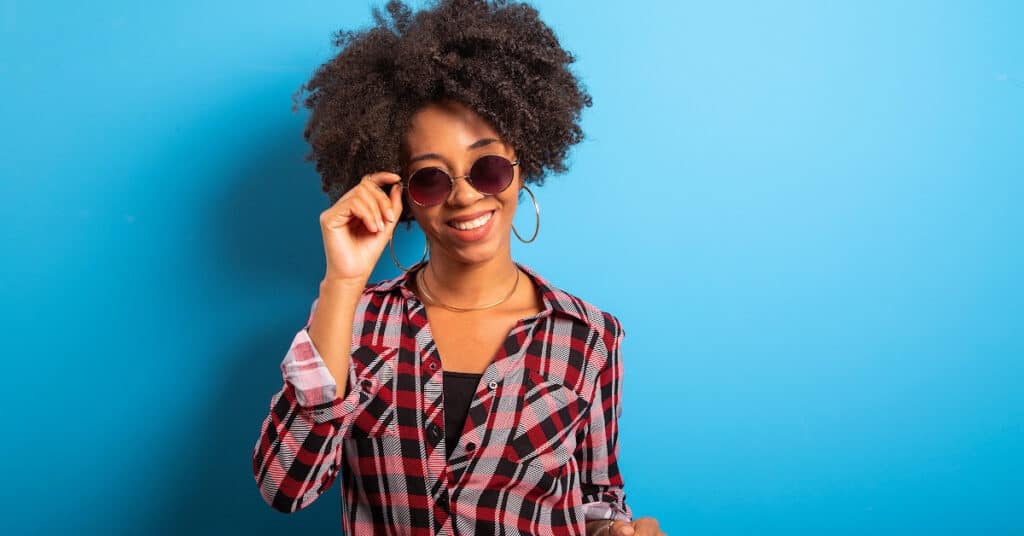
x=451, y=180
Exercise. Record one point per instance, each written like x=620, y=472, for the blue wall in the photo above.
x=807, y=217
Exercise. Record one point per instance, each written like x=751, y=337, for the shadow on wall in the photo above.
x=263, y=237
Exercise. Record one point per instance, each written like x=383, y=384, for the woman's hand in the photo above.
x=358, y=226
x=641, y=526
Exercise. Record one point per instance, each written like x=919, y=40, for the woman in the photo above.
x=475, y=397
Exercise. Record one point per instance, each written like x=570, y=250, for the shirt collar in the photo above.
x=555, y=299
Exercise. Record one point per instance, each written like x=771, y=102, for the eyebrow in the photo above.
x=475, y=145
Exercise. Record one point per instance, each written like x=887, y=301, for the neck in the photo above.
x=468, y=284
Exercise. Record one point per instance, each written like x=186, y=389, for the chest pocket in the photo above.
x=373, y=376
x=545, y=433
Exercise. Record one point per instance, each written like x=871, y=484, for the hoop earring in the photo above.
x=536, y=209
x=391, y=247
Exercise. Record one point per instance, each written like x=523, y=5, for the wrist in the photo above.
x=342, y=285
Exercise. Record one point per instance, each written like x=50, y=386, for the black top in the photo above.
x=459, y=388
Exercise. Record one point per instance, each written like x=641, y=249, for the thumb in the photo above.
x=396, y=201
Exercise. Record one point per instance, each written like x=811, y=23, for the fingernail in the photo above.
x=391, y=214
x=380, y=225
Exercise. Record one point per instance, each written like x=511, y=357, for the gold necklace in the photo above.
x=426, y=293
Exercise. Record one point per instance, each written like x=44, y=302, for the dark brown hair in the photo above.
x=495, y=57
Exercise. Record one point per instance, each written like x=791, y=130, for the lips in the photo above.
x=477, y=234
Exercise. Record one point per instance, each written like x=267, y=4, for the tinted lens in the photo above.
x=491, y=174
x=429, y=186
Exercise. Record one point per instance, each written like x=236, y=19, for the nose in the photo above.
x=463, y=194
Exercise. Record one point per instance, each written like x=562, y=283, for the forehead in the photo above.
x=446, y=126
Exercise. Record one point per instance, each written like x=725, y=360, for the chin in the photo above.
x=475, y=253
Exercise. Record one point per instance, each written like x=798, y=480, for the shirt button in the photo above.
x=492, y=384
x=470, y=446
x=433, y=433
x=433, y=366
x=367, y=384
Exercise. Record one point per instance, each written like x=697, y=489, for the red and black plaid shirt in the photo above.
x=537, y=454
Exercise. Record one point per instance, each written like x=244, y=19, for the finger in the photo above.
x=374, y=212
x=367, y=213
x=396, y=201
x=381, y=178
x=381, y=199
x=623, y=528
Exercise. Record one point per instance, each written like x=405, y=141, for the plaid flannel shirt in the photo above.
x=538, y=452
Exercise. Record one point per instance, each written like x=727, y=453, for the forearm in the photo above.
x=601, y=482
x=331, y=327
x=291, y=432
x=297, y=455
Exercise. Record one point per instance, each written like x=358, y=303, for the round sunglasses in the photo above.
x=489, y=175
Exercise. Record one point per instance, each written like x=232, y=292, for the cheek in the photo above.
x=510, y=197
x=422, y=218
x=508, y=206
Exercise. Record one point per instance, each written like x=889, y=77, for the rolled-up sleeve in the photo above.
x=297, y=455
x=601, y=482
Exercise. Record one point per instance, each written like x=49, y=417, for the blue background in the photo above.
x=807, y=217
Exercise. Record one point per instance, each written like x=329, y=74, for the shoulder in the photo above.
x=606, y=324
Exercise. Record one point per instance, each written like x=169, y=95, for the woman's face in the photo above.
x=450, y=136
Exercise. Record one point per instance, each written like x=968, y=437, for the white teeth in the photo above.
x=466, y=226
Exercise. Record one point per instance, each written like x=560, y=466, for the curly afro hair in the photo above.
x=495, y=57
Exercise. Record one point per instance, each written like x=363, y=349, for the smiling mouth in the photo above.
x=472, y=224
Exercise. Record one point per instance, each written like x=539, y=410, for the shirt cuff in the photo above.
x=605, y=510
x=305, y=370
